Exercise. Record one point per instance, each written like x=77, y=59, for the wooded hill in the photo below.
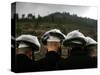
x=63, y=21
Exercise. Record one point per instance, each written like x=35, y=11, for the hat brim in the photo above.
x=90, y=45
x=67, y=42
x=55, y=34
x=33, y=45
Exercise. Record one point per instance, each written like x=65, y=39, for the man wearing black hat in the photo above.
x=91, y=48
x=52, y=39
x=78, y=57
x=27, y=44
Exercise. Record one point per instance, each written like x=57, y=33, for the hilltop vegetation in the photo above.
x=63, y=21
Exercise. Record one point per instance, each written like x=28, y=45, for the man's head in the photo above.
x=25, y=49
x=53, y=32
x=52, y=39
x=74, y=37
x=29, y=39
x=91, y=47
x=27, y=44
x=75, y=42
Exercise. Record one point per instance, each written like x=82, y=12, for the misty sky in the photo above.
x=45, y=9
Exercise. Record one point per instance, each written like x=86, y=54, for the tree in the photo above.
x=23, y=16
x=30, y=16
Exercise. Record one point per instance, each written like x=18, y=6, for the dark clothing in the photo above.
x=78, y=63
x=78, y=59
x=53, y=61
x=24, y=64
x=50, y=62
x=93, y=63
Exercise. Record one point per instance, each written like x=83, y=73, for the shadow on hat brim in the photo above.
x=60, y=36
x=55, y=34
x=68, y=42
x=33, y=45
x=91, y=45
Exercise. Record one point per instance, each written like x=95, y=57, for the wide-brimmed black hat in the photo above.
x=55, y=33
x=74, y=37
x=30, y=40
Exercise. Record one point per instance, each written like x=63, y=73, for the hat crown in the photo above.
x=53, y=32
x=75, y=34
x=90, y=41
x=29, y=38
x=74, y=37
x=52, y=38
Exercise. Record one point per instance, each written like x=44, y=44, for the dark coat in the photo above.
x=50, y=62
x=78, y=59
x=24, y=64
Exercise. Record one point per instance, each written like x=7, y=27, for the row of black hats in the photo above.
x=74, y=37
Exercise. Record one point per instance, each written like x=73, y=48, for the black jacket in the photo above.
x=24, y=64
x=78, y=59
x=50, y=62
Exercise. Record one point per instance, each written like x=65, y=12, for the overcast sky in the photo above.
x=45, y=9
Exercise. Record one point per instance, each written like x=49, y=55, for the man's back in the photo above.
x=23, y=63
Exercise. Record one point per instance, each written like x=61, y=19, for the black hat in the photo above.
x=55, y=33
x=74, y=37
x=29, y=40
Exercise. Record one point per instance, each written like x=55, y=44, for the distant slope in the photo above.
x=63, y=21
